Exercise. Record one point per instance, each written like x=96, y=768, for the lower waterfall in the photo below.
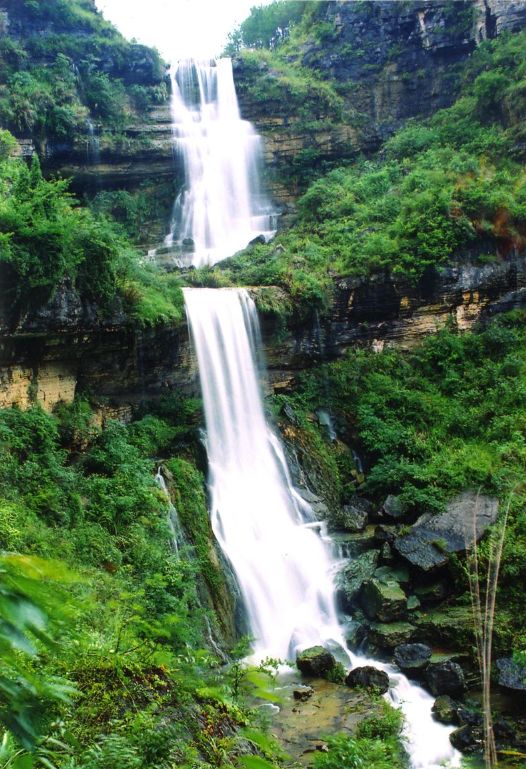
x=265, y=528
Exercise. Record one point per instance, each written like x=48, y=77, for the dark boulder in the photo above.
x=512, y=675
x=467, y=739
x=434, y=537
x=315, y=661
x=445, y=710
x=353, y=516
x=445, y=678
x=302, y=693
x=393, y=508
x=412, y=658
x=368, y=677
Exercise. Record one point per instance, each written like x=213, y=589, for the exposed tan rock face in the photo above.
x=381, y=312
x=53, y=352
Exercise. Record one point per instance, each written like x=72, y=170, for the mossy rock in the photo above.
x=445, y=710
x=316, y=661
x=387, y=574
x=352, y=545
x=389, y=635
x=385, y=601
x=351, y=579
x=449, y=625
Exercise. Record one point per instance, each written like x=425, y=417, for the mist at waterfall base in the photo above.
x=221, y=207
x=264, y=527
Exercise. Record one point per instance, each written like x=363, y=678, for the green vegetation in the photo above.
x=61, y=63
x=449, y=416
x=376, y=745
x=104, y=665
x=46, y=239
x=440, y=188
x=267, y=26
x=135, y=212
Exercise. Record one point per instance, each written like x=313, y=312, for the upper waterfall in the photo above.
x=221, y=207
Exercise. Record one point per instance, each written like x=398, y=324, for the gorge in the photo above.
x=262, y=390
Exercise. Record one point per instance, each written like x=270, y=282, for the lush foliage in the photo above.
x=111, y=671
x=449, y=416
x=62, y=63
x=452, y=185
x=46, y=238
x=376, y=745
x=267, y=26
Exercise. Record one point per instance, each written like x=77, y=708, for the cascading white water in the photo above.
x=93, y=144
x=221, y=208
x=264, y=527
x=176, y=532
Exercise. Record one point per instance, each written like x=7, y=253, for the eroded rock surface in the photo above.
x=434, y=537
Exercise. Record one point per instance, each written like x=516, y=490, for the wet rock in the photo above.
x=385, y=601
x=355, y=633
x=289, y=412
x=303, y=693
x=445, y=678
x=315, y=661
x=352, y=545
x=385, y=533
x=352, y=517
x=449, y=625
x=259, y=240
x=434, y=537
x=445, y=710
x=467, y=739
x=412, y=657
x=320, y=509
x=512, y=675
x=387, y=574
x=351, y=579
x=393, y=508
x=413, y=603
x=432, y=592
x=388, y=636
x=368, y=677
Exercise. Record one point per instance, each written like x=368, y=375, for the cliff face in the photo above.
x=66, y=346
x=383, y=312
x=93, y=105
x=387, y=62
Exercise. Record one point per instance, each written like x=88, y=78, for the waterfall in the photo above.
x=221, y=207
x=266, y=530
x=93, y=144
x=176, y=531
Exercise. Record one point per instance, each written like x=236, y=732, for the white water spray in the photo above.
x=221, y=208
x=267, y=531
